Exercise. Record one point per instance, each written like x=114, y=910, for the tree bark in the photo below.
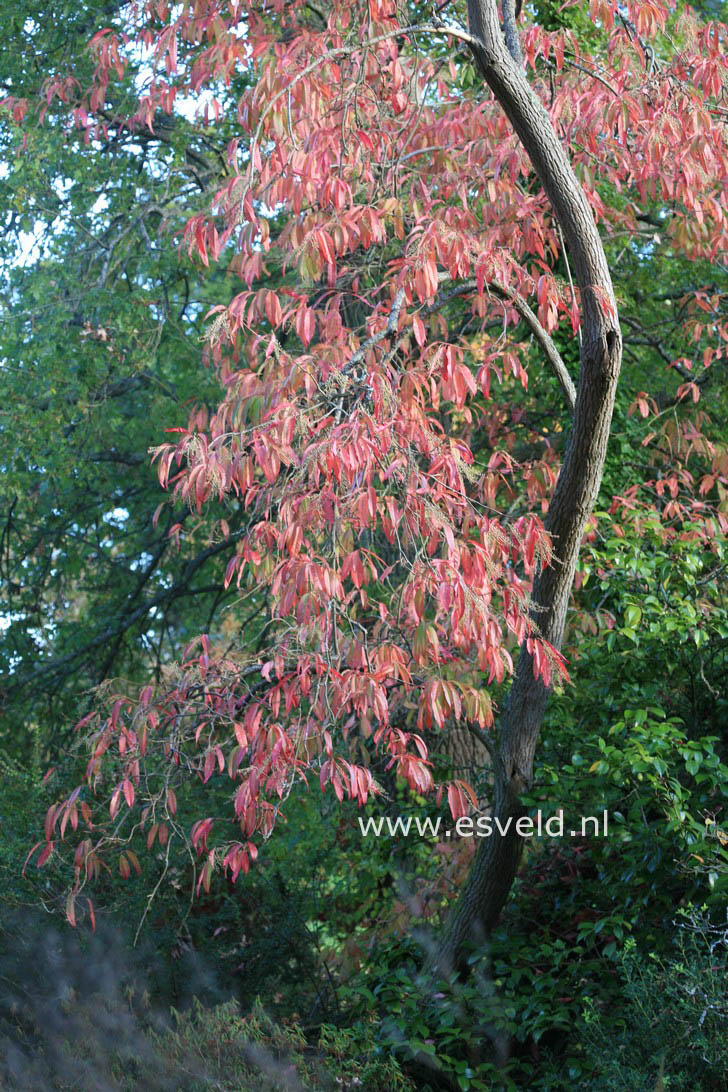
x=465, y=753
x=497, y=859
x=511, y=11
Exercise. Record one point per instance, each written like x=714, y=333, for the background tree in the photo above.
x=102, y=318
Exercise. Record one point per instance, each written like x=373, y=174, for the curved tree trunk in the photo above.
x=496, y=862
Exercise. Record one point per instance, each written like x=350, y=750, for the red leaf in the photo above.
x=456, y=800
x=45, y=854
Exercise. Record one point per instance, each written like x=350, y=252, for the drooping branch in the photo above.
x=551, y=352
x=553, y=356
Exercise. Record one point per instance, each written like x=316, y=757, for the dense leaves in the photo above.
x=360, y=475
x=100, y=349
x=356, y=431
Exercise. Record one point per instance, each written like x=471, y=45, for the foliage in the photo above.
x=370, y=543
x=651, y=742
x=99, y=341
x=97, y=1030
x=254, y=1053
x=340, y=573
x=673, y=1024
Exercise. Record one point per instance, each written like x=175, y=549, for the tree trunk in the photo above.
x=576, y=489
x=467, y=758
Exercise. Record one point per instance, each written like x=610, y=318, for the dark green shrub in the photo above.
x=673, y=1024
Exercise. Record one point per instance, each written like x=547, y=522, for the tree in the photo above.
x=102, y=318
x=393, y=526
x=576, y=487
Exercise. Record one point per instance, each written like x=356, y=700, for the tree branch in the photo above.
x=510, y=11
x=389, y=331
x=552, y=354
x=177, y=590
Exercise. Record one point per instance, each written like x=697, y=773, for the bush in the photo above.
x=673, y=1024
